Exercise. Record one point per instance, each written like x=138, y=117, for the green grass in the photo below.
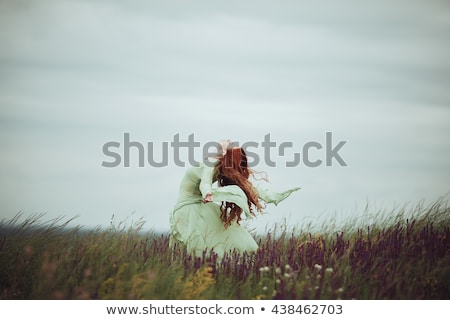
x=403, y=254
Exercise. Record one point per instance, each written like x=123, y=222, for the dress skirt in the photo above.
x=198, y=227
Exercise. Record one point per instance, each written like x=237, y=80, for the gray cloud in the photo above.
x=76, y=74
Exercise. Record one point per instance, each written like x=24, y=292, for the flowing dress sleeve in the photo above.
x=231, y=193
x=206, y=180
x=234, y=194
x=269, y=196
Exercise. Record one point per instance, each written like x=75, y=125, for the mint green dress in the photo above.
x=197, y=225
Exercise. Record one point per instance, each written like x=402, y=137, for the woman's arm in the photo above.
x=206, y=181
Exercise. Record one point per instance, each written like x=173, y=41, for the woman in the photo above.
x=207, y=217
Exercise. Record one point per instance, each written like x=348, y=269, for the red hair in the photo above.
x=232, y=169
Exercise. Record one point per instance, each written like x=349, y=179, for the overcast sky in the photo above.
x=75, y=75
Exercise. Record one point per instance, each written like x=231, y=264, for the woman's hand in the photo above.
x=208, y=198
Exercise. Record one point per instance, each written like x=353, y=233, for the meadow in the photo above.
x=403, y=254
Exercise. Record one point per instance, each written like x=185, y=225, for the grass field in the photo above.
x=404, y=255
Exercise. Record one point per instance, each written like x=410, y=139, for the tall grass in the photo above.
x=404, y=255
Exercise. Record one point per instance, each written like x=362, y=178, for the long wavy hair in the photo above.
x=232, y=169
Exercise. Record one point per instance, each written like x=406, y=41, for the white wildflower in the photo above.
x=264, y=269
